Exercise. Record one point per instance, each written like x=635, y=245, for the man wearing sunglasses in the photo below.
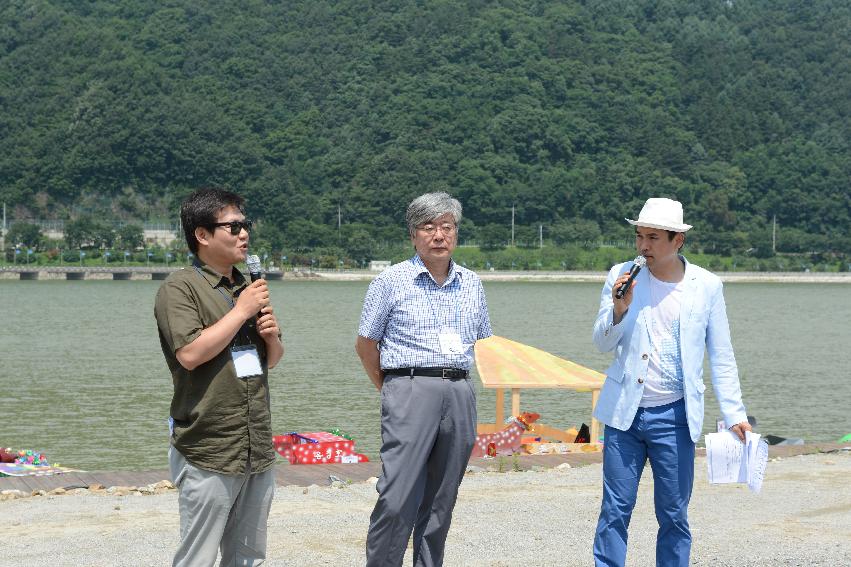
x=419, y=323
x=220, y=337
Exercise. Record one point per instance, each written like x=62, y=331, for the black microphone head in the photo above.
x=254, y=269
x=637, y=264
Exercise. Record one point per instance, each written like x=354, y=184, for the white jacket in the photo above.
x=703, y=326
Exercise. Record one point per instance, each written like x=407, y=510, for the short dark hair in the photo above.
x=672, y=234
x=201, y=209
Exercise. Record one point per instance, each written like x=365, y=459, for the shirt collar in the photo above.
x=689, y=268
x=420, y=268
x=215, y=279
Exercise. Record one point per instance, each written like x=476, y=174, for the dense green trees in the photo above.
x=130, y=236
x=24, y=234
x=87, y=232
x=574, y=112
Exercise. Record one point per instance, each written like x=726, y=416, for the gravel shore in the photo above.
x=543, y=518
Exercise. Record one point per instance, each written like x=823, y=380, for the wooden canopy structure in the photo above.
x=505, y=364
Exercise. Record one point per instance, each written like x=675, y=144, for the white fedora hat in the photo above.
x=664, y=214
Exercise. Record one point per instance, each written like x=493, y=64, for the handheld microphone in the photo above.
x=637, y=264
x=254, y=269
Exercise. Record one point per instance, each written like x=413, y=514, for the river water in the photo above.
x=82, y=377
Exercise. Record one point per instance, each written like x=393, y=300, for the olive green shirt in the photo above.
x=220, y=420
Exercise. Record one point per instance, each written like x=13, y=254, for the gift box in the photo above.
x=316, y=448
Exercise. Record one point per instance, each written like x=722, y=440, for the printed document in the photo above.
x=730, y=460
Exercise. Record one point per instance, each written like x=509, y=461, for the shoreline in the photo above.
x=308, y=475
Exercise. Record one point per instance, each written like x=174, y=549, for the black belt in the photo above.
x=439, y=372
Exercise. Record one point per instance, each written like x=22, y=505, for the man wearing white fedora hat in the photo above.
x=660, y=329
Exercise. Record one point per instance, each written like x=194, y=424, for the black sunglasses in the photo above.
x=235, y=227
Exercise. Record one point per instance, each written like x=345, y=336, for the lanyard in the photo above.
x=242, y=333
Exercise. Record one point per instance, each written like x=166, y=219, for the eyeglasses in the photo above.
x=448, y=229
x=235, y=227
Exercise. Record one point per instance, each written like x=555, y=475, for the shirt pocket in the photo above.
x=699, y=311
x=699, y=316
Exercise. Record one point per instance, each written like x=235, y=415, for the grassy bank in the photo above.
x=574, y=257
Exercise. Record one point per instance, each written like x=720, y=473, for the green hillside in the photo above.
x=574, y=112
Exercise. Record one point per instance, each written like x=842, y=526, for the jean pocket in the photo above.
x=178, y=467
x=181, y=476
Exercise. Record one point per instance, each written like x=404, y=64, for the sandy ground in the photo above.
x=801, y=518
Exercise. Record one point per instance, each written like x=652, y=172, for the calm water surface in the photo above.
x=82, y=377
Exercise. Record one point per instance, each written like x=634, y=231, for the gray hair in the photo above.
x=428, y=207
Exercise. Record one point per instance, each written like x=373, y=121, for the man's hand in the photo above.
x=252, y=299
x=267, y=324
x=215, y=338
x=267, y=328
x=740, y=428
x=621, y=305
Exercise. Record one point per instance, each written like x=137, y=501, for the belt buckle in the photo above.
x=444, y=371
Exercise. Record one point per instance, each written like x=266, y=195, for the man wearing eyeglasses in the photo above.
x=420, y=321
x=220, y=337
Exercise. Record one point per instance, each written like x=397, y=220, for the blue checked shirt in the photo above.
x=405, y=310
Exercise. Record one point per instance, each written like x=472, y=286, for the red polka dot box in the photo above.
x=316, y=448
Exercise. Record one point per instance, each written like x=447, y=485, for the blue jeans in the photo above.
x=661, y=435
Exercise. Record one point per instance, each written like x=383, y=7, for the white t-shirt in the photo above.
x=664, y=381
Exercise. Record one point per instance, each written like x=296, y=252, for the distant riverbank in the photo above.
x=368, y=275
x=593, y=277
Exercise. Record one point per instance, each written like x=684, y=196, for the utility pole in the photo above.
x=774, y=235
x=339, y=224
x=512, y=225
x=540, y=236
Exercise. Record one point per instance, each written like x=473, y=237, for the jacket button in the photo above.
x=644, y=356
x=641, y=380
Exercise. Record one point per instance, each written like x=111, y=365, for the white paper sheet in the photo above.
x=730, y=460
x=757, y=465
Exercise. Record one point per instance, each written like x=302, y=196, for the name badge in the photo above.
x=246, y=361
x=450, y=342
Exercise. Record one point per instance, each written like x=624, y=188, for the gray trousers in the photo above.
x=428, y=428
x=219, y=511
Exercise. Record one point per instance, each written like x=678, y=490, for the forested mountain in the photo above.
x=573, y=111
